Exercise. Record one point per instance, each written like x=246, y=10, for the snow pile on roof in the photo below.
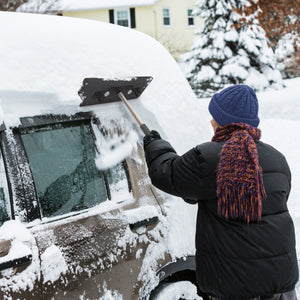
x=72, y=5
x=44, y=59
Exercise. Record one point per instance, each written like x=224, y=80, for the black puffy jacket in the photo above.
x=234, y=260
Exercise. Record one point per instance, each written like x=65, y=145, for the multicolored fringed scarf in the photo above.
x=240, y=188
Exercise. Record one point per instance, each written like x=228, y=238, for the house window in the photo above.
x=166, y=17
x=122, y=17
x=191, y=21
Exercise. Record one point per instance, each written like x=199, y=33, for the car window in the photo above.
x=5, y=211
x=117, y=180
x=62, y=160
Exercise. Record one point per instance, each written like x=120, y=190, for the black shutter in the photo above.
x=111, y=16
x=132, y=17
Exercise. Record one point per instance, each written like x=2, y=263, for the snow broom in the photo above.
x=99, y=91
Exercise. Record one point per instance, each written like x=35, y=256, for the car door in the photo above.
x=87, y=245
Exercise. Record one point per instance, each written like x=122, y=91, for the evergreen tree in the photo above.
x=226, y=52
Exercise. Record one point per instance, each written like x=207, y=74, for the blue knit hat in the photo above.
x=235, y=104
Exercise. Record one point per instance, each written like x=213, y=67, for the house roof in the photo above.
x=73, y=5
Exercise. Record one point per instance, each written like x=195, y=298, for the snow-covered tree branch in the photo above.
x=224, y=53
x=10, y=5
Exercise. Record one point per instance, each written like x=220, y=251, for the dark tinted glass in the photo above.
x=122, y=18
x=62, y=160
x=117, y=180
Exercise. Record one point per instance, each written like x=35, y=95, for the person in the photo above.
x=245, y=239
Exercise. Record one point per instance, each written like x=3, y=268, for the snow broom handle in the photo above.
x=143, y=126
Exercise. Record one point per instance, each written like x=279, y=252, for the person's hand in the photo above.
x=154, y=135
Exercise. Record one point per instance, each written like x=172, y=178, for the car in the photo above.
x=79, y=216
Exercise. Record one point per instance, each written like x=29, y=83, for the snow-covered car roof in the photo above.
x=44, y=59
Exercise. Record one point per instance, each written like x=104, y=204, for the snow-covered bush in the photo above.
x=288, y=58
x=228, y=52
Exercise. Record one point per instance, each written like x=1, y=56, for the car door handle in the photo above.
x=146, y=222
x=16, y=262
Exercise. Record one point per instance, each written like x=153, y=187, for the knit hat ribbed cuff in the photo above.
x=223, y=118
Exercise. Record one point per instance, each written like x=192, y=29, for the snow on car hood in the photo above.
x=44, y=59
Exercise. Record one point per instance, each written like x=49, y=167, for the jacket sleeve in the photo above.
x=184, y=176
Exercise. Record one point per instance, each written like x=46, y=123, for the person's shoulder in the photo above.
x=271, y=158
x=209, y=150
x=268, y=149
x=210, y=147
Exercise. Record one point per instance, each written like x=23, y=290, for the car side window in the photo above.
x=62, y=160
x=5, y=211
x=117, y=180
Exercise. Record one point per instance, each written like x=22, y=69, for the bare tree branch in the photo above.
x=31, y=6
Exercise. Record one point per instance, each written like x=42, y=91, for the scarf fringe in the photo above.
x=240, y=188
x=241, y=201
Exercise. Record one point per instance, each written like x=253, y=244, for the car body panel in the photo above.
x=102, y=249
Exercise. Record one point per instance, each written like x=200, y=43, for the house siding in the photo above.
x=177, y=38
x=98, y=15
x=145, y=20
